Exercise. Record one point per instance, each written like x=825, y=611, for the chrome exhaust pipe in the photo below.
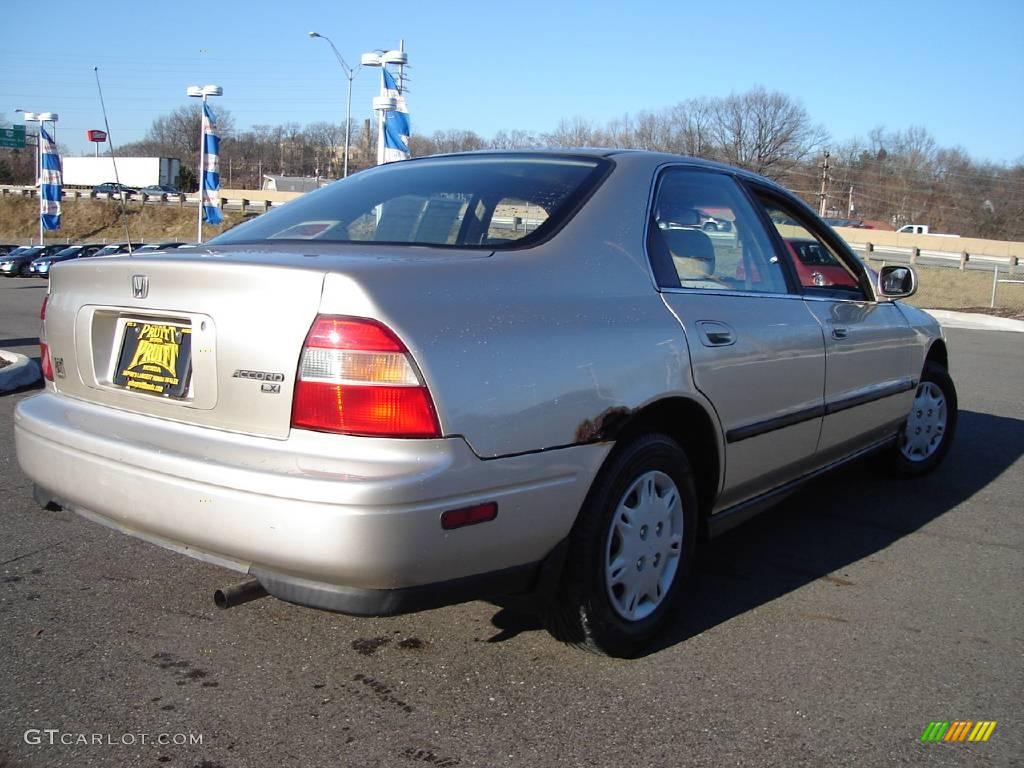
x=236, y=594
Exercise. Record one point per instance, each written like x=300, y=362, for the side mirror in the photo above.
x=897, y=282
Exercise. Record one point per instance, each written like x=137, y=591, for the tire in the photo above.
x=927, y=434
x=630, y=550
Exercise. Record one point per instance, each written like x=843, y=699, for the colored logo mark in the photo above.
x=959, y=730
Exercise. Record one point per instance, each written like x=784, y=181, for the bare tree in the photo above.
x=456, y=141
x=328, y=142
x=764, y=131
x=176, y=134
x=896, y=176
x=571, y=133
x=514, y=139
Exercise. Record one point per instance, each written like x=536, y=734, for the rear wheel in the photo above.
x=926, y=435
x=630, y=550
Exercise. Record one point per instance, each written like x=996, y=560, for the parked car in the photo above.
x=151, y=247
x=40, y=267
x=18, y=262
x=815, y=265
x=854, y=223
x=405, y=408
x=113, y=188
x=6, y=248
x=160, y=190
x=115, y=248
x=710, y=223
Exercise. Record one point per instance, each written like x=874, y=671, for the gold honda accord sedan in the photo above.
x=481, y=375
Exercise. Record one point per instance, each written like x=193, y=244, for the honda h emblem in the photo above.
x=140, y=286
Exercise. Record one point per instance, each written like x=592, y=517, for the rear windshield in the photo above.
x=489, y=201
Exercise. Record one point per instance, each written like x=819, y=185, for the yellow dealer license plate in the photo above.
x=155, y=358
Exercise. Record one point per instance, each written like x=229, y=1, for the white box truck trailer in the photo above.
x=133, y=171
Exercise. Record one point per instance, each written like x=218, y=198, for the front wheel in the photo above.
x=926, y=435
x=630, y=550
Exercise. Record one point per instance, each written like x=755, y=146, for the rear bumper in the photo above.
x=338, y=522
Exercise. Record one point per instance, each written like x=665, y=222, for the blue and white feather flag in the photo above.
x=396, y=123
x=50, y=182
x=211, y=168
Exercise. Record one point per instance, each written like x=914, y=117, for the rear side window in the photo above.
x=706, y=235
x=482, y=201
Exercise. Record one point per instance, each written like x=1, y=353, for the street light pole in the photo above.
x=350, y=74
x=201, y=92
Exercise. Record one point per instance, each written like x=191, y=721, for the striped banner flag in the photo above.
x=50, y=190
x=211, y=168
x=396, y=123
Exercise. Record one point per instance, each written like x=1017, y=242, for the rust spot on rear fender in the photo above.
x=604, y=426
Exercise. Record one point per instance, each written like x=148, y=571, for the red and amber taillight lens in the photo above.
x=44, y=349
x=356, y=377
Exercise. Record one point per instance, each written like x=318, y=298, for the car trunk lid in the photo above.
x=240, y=313
x=195, y=341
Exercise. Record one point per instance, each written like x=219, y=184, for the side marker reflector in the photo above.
x=459, y=518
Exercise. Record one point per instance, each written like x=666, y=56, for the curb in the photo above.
x=974, y=321
x=22, y=372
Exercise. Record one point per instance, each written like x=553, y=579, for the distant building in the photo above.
x=293, y=183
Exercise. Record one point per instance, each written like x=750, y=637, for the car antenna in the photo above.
x=113, y=160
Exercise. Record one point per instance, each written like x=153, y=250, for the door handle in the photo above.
x=715, y=334
x=838, y=332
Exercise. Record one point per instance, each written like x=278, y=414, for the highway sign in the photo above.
x=13, y=138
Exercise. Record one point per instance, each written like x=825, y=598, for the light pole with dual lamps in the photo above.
x=40, y=117
x=202, y=92
x=384, y=104
x=350, y=74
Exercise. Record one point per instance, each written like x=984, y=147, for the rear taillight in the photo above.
x=356, y=377
x=44, y=350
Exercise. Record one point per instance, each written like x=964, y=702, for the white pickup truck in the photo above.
x=919, y=229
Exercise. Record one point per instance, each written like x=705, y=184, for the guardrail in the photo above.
x=256, y=203
x=1009, y=266
x=960, y=259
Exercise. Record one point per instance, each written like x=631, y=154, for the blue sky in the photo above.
x=956, y=68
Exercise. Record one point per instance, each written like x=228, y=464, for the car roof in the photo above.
x=644, y=156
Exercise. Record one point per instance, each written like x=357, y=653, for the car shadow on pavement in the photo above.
x=837, y=520
x=830, y=523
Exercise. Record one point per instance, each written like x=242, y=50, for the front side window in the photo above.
x=483, y=201
x=706, y=235
x=815, y=262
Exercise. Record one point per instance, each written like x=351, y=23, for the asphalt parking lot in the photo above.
x=828, y=632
